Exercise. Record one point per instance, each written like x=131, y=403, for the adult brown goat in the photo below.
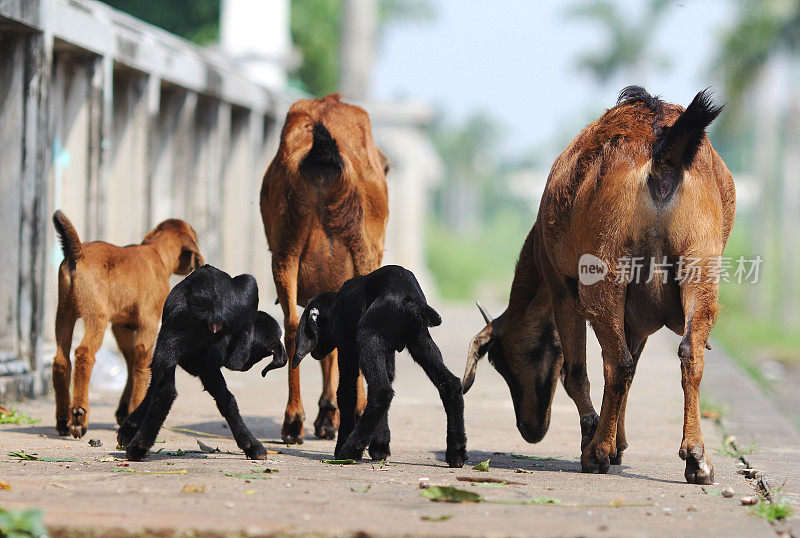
x=640, y=183
x=324, y=204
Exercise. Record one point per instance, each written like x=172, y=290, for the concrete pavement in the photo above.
x=98, y=495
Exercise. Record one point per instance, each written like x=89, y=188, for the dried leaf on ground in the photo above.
x=191, y=488
x=4, y=485
x=488, y=480
x=134, y=471
x=246, y=476
x=450, y=494
x=482, y=466
x=205, y=449
x=361, y=490
x=443, y=517
x=33, y=457
x=339, y=462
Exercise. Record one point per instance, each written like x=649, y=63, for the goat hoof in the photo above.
x=292, y=431
x=255, y=451
x=379, y=452
x=79, y=422
x=698, y=467
x=61, y=427
x=616, y=457
x=595, y=460
x=125, y=434
x=327, y=422
x=456, y=457
x=349, y=452
x=588, y=427
x=136, y=451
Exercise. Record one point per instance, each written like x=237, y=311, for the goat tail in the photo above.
x=424, y=312
x=70, y=242
x=324, y=149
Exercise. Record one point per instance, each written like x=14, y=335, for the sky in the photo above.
x=516, y=60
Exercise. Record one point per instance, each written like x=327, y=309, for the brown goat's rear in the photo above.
x=640, y=183
x=324, y=204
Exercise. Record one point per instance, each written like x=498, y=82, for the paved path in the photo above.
x=308, y=496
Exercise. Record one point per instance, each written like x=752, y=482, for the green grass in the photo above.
x=15, y=417
x=479, y=265
x=773, y=510
x=22, y=523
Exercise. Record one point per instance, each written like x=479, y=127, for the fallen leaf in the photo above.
x=4, y=485
x=543, y=500
x=482, y=466
x=246, y=476
x=488, y=480
x=191, y=488
x=33, y=457
x=450, y=494
x=339, y=462
x=270, y=451
x=361, y=490
x=443, y=517
x=134, y=471
x=195, y=432
x=249, y=492
x=269, y=471
x=205, y=448
x=527, y=471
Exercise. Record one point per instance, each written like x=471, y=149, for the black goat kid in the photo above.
x=368, y=320
x=210, y=320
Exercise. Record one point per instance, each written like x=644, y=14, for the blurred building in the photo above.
x=121, y=125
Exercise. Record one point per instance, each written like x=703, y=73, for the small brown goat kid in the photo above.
x=640, y=183
x=324, y=204
x=124, y=286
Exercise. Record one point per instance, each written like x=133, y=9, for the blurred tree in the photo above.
x=627, y=50
x=195, y=20
x=316, y=30
x=469, y=153
x=763, y=29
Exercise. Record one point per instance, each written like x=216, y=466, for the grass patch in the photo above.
x=711, y=409
x=15, y=417
x=466, y=266
x=22, y=523
x=773, y=510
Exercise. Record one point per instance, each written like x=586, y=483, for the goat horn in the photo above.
x=485, y=313
x=477, y=349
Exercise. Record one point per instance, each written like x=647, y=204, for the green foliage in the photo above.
x=763, y=29
x=450, y=495
x=627, y=43
x=16, y=417
x=315, y=27
x=773, y=510
x=481, y=263
x=22, y=524
x=195, y=20
x=482, y=466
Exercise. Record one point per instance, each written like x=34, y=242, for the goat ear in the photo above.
x=384, y=162
x=678, y=144
x=190, y=257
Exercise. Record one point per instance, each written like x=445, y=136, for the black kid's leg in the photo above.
x=160, y=394
x=214, y=383
x=426, y=353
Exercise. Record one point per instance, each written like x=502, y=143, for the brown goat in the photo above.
x=124, y=286
x=642, y=182
x=324, y=204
